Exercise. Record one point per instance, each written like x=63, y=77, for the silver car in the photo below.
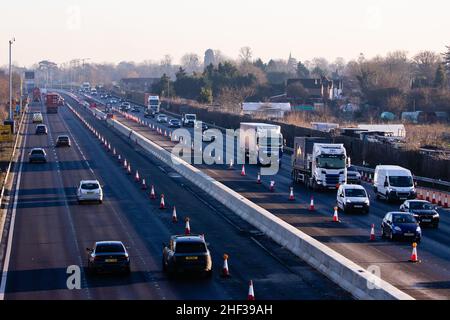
x=89, y=190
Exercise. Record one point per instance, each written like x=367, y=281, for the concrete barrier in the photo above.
x=350, y=276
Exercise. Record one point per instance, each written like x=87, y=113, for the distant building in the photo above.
x=267, y=109
x=137, y=84
x=209, y=58
x=292, y=64
x=317, y=88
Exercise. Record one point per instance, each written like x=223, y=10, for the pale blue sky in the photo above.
x=137, y=30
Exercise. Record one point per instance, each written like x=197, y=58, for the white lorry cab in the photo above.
x=393, y=183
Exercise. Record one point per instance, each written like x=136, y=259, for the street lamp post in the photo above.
x=10, y=80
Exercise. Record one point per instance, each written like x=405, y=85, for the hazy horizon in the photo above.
x=107, y=31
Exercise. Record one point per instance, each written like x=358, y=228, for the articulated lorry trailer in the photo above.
x=261, y=141
x=319, y=163
x=52, y=101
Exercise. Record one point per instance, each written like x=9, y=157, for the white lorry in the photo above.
x=318, y=163
x=261, y=141
x=153, y=106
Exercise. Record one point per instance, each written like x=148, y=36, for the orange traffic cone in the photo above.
x=258, y=179
x=129, y=169
x=187, y=228
x=152, y=193
x=440, y=200
x=174, y=215
x=231, y=164
x=446, y=202
x=125, y=164
x=372, y=233
x=272, y=186
x=144, y=185
x=225, y=271
x=433, y=201
x=414, y=256
x=109, y=147
x=243, y=170
x=428, y=196
x=162, y=204
x=119, y=158
x=114, y=151
x=137, y=178
x=335, y=215
x=251, y=293
x=291, y=195
x=311, y=204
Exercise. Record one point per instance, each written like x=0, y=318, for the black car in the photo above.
x=424, y=212
x=37, y=155
x=108, y=256
x=187, y=254
x=63, y=141
x=41, y=129
x=174, y=123
x=353, y=175
x=401, y=225
x=135, y=109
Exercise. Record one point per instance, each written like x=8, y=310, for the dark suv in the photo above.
x=187, y=254
x=41, y=129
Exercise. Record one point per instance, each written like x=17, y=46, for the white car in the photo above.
x=37, y=117
x=352, y=197
x=89, y=190
x=162, y=118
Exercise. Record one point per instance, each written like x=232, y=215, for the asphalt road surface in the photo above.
x=50, y=230
x=429, y=279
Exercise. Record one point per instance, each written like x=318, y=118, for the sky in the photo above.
x=138, y=30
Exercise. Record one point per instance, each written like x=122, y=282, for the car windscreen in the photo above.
x=37, y=152
x=190, y=247
x=190, y=117
x=401, y=181
x=355, y=193
x=110, y=247
x=154, y=102
x=89, y=186
x=403, y=218
x=42, y=128
x=352, y=169
x=420, y=206
x=63, y=138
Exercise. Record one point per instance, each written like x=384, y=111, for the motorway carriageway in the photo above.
x=429, y=279
x=51, y=231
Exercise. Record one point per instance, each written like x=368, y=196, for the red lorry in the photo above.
x=36, y=95
x=52, y=101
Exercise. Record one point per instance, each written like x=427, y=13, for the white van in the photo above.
x=393, y=183
x=352, y=197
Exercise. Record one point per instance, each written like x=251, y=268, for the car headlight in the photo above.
x=367, y=202
x=436, y=215
x=418, y=229
x=349, y=201
x=358, y=175
x=398, y=229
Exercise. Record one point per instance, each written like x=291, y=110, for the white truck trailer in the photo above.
x=261, y=142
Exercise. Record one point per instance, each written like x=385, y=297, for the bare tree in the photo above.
x=245, y=54
x=425, y=65
x=191, y=62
